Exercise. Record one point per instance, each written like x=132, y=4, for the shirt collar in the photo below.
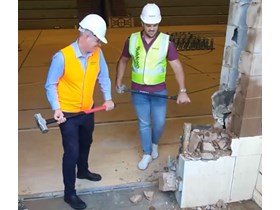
x=77, y=50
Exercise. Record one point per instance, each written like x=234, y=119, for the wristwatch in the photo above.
x=183, y=90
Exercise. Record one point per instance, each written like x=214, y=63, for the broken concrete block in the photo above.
x=222, y=144
x=207, y=147
x=149, y=195
x=210, y=136
x=167, y=181
x=221, y=205
x=136, y=198
x=194, y=141
x=207, y=156
x=186, y=137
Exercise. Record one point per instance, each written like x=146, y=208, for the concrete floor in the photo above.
x=118, y=199
x=116, y=148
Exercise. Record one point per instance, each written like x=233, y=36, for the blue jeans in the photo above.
x=151, y=113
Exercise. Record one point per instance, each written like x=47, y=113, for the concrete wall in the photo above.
x=230, y=178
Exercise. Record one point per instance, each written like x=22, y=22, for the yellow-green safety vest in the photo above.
x=148, y=68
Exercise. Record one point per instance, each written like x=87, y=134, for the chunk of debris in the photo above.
x=186, y=137
x=136, y=198
x=167, y=181
x=21, y=205
x=207, y=156
x=221, y=205
x=222, y=144
x=194, y=141
x=205, y=142
x=207, y=147
x=152, y=208
x=149, y=195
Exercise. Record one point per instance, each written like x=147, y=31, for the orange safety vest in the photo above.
x=76, y=86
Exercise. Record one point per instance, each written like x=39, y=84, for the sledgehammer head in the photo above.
x=41, y=122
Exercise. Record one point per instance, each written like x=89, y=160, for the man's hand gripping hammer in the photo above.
x=42, y=122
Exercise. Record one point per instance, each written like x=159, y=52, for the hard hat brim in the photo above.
x=103, y=39
x=150, y=20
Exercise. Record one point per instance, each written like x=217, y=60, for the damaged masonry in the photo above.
x=198, y=142
x=205, y=142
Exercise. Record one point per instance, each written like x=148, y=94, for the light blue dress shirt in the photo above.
x=56, y=70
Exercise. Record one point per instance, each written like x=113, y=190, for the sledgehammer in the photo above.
x=123, y=89
x=42, y=123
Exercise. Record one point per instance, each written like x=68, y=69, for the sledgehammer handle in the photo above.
x=99, y=108
x=151, y=94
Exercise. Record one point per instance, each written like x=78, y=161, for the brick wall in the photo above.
x=247, y=111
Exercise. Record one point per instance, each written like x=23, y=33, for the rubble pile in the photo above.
x=205, y=142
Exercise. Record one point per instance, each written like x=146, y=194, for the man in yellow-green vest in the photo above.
x=70, y=84
x=149, y=51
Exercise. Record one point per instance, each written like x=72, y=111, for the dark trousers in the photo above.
x=76, y=135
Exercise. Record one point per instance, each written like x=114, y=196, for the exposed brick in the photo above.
x=229, y=35
x=252, y=108
x=251, y=127
x=251, y=64
x=236, y=123
x=224, y=78
x=254, y=15
x=237, y=14
x=254, y=40
x=250, y=86
x=238, y=103
x=231, y=56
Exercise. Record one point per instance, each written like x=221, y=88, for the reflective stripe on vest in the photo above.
x=148, y=67
x=76, y=86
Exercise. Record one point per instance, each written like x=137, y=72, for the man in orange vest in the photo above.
x=70, y=84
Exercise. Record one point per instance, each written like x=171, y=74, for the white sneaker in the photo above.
x=155, y=151
x=143, y=164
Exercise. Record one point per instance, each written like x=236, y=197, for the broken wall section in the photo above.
x=238, y=104
x=247, y=104
x=223, y=167
x=205, y=142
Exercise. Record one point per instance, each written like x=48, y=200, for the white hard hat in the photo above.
x=96, y=25
x=150, y=14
